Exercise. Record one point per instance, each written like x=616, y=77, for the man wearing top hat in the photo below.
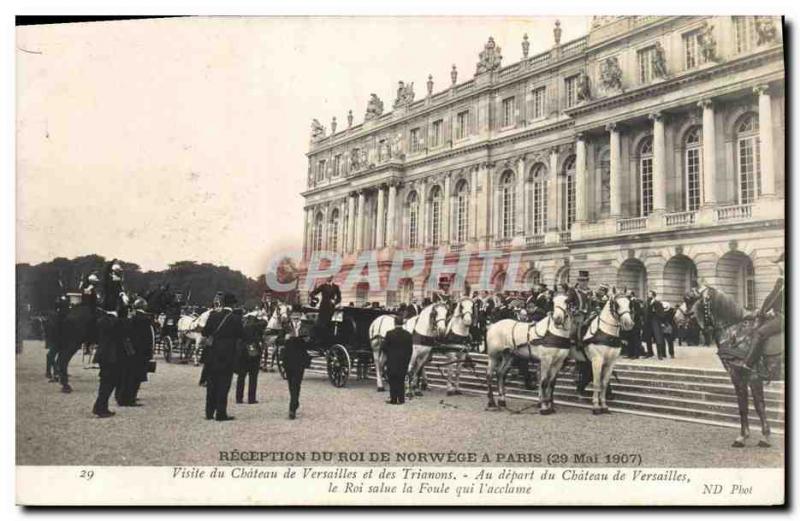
x=224, y=328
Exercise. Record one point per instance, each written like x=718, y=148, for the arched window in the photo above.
x=748, y=158
x=693, y=165
x=604, y=163
x=462, y=212
x=569, y=193
x=435, y=212
x=333, y=230
x=538, y=199
x=646, y=177
x=316, y=240
x=507, y=205
x=413, y=220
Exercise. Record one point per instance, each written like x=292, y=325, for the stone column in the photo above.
x=326, y=211
x=659, y=164
x=381, y=232
x=483, y=218
x=422, y=226
x=553, y=193
x=342, y=248
x=765, y=138
x=519, y=204
x=581, y=214
x=445, y=239
x=709, y=153
x=472, y=231
x=359, y=238
x=351, y=223
x=615, y=164
x=306, y=234
x=391, y=218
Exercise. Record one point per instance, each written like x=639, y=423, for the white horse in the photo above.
x=603, y=345
x=190, y=329
x=428, y=326
x=547, y=340
x=458, y=333
x=377, y=333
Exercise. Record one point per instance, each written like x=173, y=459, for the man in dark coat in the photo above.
x=249, y=359
x=398, y=346
x=110, y=336
x=225, y=328
x=329, y=298
x=133, y=370
x=651, y=329
x=295, y=360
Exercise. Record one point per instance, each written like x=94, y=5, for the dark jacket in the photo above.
x=398, y=346
x=774, y=301
x=110, y=336
x=222, y=352
x=330, y=297
x=294, y=355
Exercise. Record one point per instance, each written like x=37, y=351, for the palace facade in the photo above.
x=647, y=154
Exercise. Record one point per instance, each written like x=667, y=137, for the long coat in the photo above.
x=222, y=352
x=398, y=346
x=295, y=355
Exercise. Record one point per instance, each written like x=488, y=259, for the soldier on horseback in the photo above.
x=114, y=297
x=770, y=317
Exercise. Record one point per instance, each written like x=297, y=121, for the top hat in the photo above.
x=229, y=299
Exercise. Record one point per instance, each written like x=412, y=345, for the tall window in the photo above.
x=693, y=161
x=691, y=50
x=507, y=205
x=744, y=32
x=436, y=133
x=413, y=220
x=337, y=165
x=538, y=102
x=646, y=177
x=436, y=215
x=604, y=161
x=321, y=170
x=646, y=57
x=571, y=90
x=316, y=241
x=748, y=158
x=462, y=122
x=539, y=199
x=333, y=230
x=416, y=142
x=569, y=193
x=509, y=111
x=462, y=211
x=382, y=150
x=407, y=290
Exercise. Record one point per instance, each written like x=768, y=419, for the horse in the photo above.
x=78, y=327
x=190, y=329
x=732, y=330
x=377, y=333
x=602, y=339
x=427, y=328
x=458, y=332
x=688, y=331
x=547, y=340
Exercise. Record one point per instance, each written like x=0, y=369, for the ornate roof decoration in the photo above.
x=317, y=130
x=489, y=58
x=374, y=107
x=405, y=94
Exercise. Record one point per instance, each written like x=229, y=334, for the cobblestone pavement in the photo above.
x=170, y=429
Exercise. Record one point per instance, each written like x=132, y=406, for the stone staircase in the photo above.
x=702, y=395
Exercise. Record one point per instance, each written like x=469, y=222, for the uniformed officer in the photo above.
x=295, y=360
x=771, y=315
x=224, y=327
x=329, y=297
x=109, y=358
x=398, y=346
x=114, y=297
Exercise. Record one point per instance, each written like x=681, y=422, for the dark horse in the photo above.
x=732, y=333
x=80, y=326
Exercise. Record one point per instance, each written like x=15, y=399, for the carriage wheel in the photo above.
x=279, y=360
x=166, y=346
x=338, y=361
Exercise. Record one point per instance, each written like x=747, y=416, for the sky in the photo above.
x=162, y=140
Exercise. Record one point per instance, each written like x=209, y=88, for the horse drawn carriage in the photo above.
x=345, y=344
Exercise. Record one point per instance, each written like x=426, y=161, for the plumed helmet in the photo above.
x=116, y=268
x=139, y=303
x=93, y=278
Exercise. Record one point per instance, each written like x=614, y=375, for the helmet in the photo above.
x=116, y=268
x=93, y=278
x=139, y=303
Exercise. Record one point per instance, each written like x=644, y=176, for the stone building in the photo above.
x=645, y=154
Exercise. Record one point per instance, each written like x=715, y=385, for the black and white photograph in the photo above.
x=401, y=260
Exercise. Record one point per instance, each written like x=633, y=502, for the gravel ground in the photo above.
x=170, y=429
